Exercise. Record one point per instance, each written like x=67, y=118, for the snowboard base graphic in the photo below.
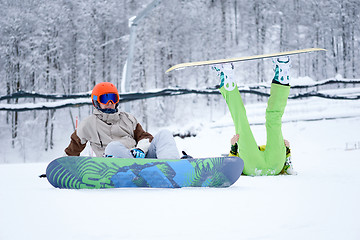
x=94, y=172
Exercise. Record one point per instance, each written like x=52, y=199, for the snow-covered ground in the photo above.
x=321, y=202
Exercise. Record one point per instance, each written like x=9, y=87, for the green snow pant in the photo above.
x=272, y=160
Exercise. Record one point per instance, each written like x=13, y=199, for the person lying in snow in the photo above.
x=274, y=158
x=287, y=169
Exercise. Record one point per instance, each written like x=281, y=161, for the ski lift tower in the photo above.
x=133, y=23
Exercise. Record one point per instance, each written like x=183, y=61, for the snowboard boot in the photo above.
x=282, y=70
x=226, y=73
x=185, y=156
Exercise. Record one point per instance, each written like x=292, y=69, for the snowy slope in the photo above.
x=321, y=202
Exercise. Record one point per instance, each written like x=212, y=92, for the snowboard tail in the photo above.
x=93, y=172
x=239, y=59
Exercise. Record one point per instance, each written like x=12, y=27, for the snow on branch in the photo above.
x=314, y=84
x=80, y=99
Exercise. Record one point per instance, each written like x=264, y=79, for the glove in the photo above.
x=234, y=149
x=137, y=153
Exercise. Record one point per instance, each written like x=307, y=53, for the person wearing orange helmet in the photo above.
x=114, y=133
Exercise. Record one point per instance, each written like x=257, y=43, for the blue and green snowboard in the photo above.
x=95, y=172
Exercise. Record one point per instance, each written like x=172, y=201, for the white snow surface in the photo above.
x=321, y=202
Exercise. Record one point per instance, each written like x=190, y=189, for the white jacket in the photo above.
x=102, y=128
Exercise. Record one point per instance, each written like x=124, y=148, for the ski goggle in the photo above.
x=108, y=97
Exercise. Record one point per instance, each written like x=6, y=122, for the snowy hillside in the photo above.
x=52, y=51
x=321, y=202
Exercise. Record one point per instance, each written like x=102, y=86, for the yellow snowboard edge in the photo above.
x=239, y=59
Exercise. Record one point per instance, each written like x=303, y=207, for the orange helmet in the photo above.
x=104, y=93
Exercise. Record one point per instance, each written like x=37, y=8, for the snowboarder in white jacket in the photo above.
x=113, y=133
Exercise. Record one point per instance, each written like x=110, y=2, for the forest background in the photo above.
x=66, y=47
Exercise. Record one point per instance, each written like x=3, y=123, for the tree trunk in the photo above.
x=236, y=23
x=344, y=39
x=334, y=47
x=46, y=127
x=17, y=88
